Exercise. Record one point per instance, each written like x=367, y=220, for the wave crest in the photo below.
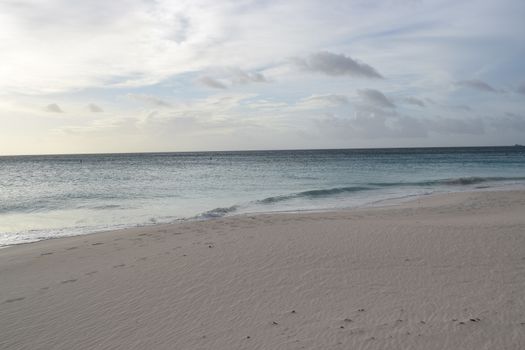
x=313, y=194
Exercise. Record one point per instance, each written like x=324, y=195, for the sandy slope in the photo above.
x=446, y=272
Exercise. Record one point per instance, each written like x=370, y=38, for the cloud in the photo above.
x=149, y=99
x=180, y=31
x=94, y=108
x=383, y=124
x=335, y=65
x=447, y=126
x=54, y=108
x=521, y=89
x=322, y=101
x=238, y=76
x=224, y=77
x=461, y=107
x=363, y=125
x=510, y=121
x=211, y=82
x=476, y=84
x=375, y=98
x=100, y=128
x=414, y=101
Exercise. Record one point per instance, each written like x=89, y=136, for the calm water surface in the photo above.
x=48, y=196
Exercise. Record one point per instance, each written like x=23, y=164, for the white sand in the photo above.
x=405, y=277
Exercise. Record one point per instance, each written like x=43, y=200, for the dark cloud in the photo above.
x=336, y=65
x=239, y=76
x=476, y=84
x=54, y=108
x=231, y=76
x=375, y=98
x=149, y=99
x=94, y=108
x=210, y=82
x=414, y=101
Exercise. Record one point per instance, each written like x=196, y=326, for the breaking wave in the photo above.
x=218, y=212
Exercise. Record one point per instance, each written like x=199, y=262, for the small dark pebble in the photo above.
x=342, y=327
x=347, y=320
x=422, y=322
x=275, y=323
x=248, y=337
x=210, y=246
x=462, y=323
x=293, y=311
x=361, y=310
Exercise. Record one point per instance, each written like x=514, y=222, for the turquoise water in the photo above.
x=49, y=196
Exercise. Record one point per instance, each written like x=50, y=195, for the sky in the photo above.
x=173, y=75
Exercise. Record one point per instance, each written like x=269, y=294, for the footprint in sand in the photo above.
x=69, y=281
x=13, y=300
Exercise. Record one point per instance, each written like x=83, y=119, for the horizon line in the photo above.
x=252, y=150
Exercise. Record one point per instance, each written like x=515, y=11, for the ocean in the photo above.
x=51, y=196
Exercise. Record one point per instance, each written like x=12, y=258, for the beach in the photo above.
x=444, y=271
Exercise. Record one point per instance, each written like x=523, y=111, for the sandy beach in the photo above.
x=440, y=272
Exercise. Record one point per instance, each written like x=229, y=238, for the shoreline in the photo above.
x=442, y=271
x=385, y=202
